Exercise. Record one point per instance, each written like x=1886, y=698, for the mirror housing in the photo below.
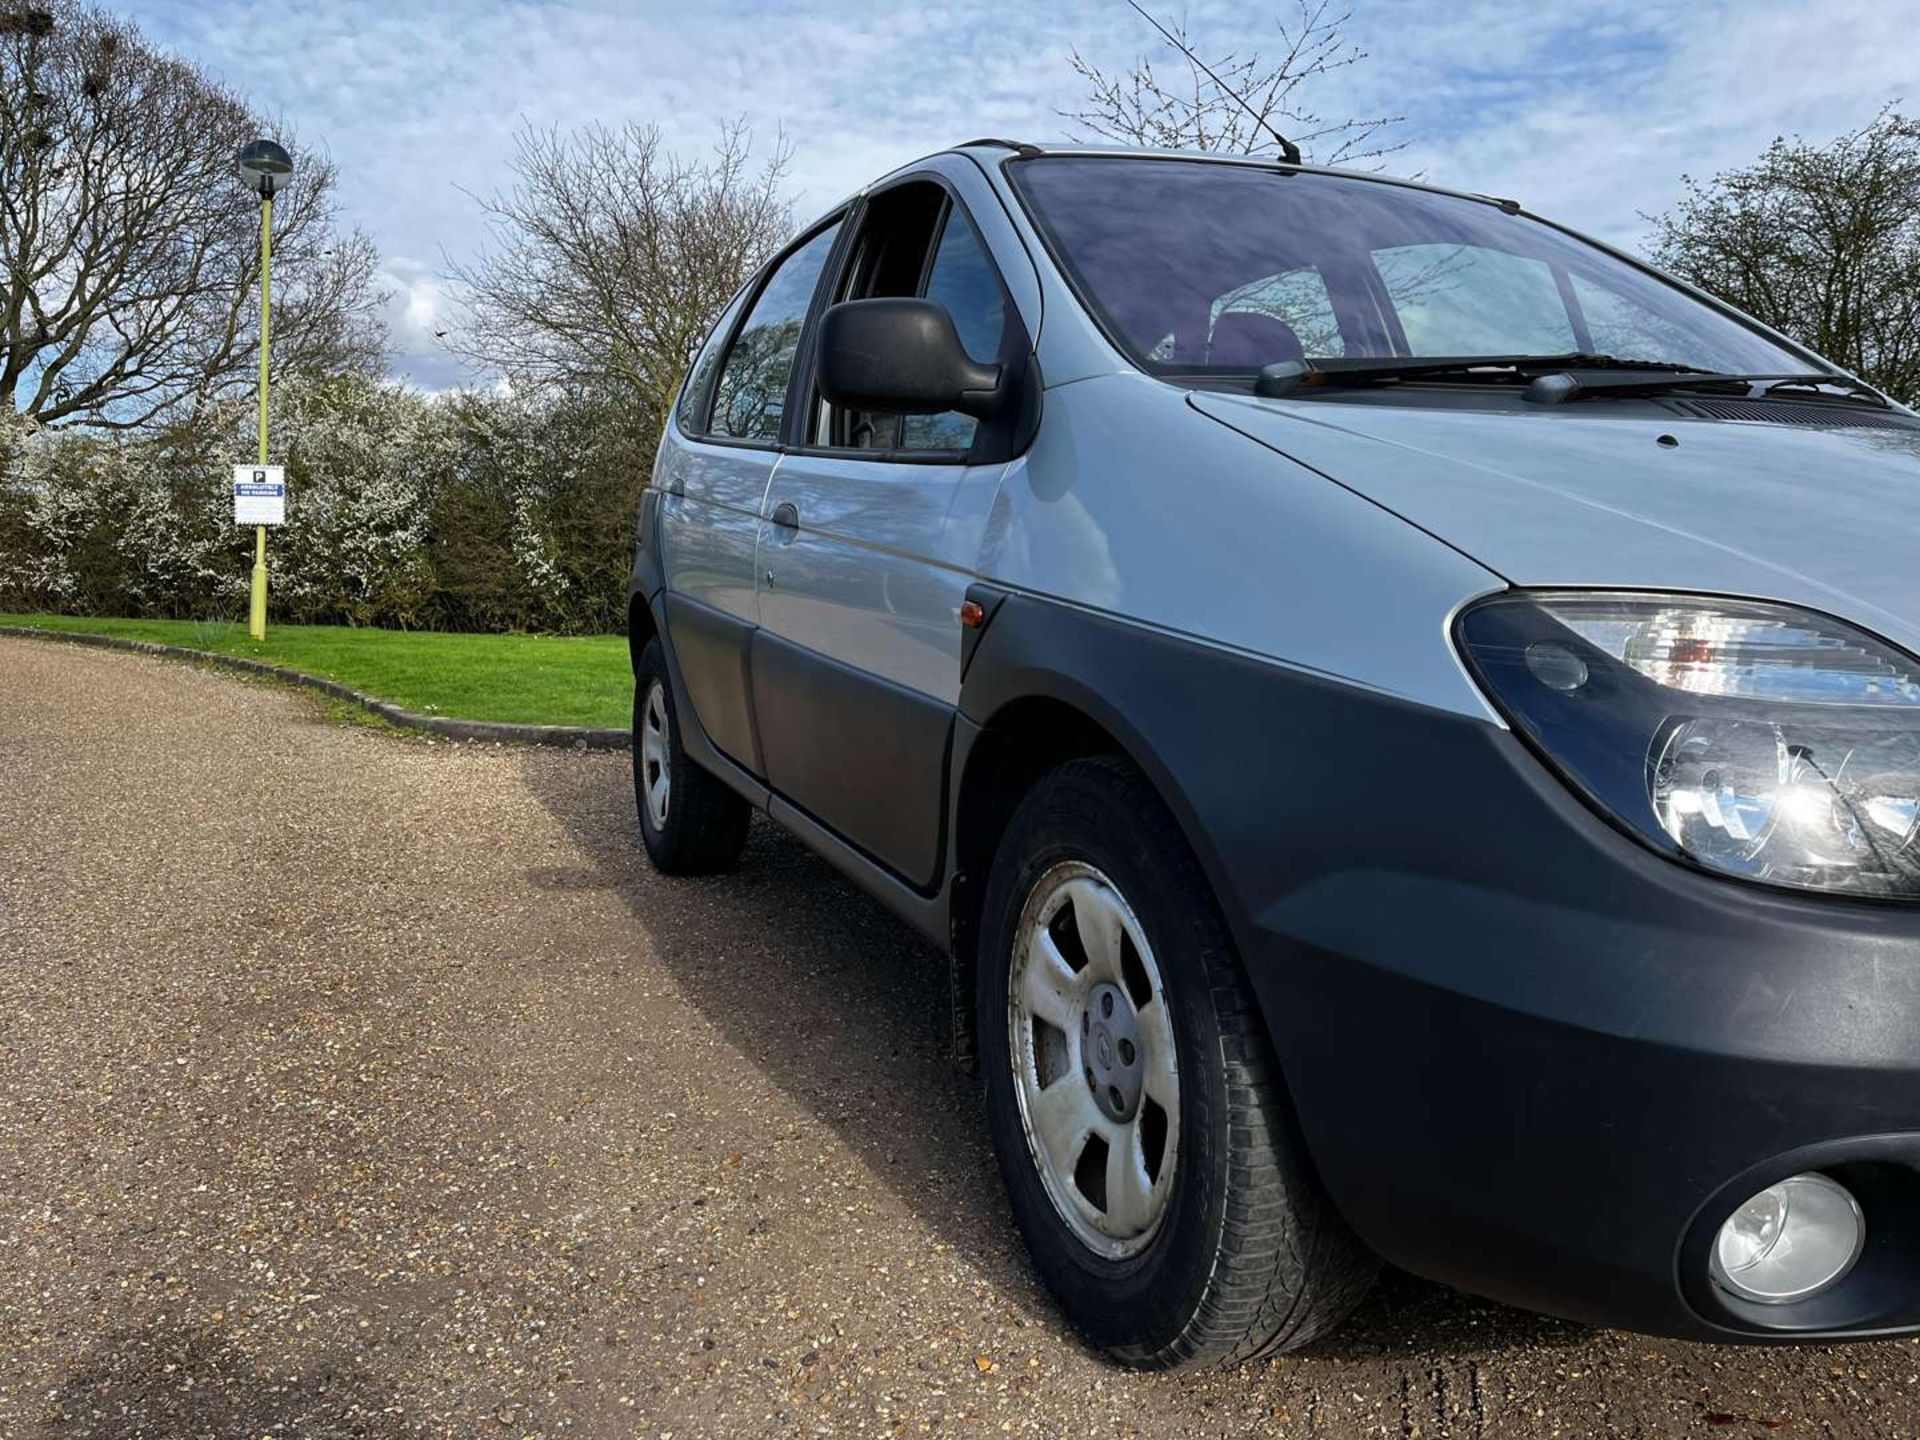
x=903, y=356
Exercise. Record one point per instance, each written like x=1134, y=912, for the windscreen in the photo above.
x=1198, y=267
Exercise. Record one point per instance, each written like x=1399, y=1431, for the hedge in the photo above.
x=460, y=511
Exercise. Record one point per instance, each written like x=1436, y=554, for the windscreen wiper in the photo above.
x=1572, y=384
x=1290, y=377
x=1856, y=389
x=1552, y=379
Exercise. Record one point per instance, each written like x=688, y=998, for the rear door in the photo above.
x=721, y=456
x=871, y=533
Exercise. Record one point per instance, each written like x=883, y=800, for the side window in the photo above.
x=691, y=411
x=1288, y=316
x=1472, y=300
x=752, y=393
x=961, y=278
x=1631, y=330
x=914, y=240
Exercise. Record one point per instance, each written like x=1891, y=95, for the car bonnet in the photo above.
x=1827, y=517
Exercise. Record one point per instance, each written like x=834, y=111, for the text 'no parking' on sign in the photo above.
x=259, y=495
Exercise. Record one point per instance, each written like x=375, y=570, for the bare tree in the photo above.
x=1234, y=103
x=129, y=250
x=1819, y=241
x=327, y=316
x=612, y=257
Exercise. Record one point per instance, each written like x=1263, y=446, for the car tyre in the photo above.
x=691, y=822
x=1198, y=1238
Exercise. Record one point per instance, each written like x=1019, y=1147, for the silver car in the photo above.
x=1404, y=720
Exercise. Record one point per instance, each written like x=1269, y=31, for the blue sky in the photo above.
x=1588, y=112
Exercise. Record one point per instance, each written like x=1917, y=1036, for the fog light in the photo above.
x=1790, y=1242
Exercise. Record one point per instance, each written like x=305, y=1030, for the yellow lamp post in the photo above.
x=266, y=168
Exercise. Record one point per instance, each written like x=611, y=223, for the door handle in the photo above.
x=786, y=515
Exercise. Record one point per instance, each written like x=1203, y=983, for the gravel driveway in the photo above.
x=355, y=1085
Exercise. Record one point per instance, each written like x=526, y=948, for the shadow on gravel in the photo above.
x=1413, y=1320
x=842, y=1006
x=846, y=1010
x=177, y=1382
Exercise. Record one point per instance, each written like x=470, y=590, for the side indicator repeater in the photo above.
x=972, y=614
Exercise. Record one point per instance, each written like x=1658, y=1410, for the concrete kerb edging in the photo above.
x=578, y=737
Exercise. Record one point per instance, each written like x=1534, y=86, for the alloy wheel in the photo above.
x=1095, y=1067
x=656, y=735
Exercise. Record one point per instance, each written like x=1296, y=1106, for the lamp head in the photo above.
x=266, y=167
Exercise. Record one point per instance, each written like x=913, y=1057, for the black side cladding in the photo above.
x=649, y=576
x=865, y=757
x=988, y=598
x=711, y=650
x=1530, y=1058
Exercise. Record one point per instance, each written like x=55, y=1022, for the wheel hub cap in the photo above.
x=1091, y=1039
x=1112, y=1052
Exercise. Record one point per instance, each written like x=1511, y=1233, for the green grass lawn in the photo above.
x=534, y=679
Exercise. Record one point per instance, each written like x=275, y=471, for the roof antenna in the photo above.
x=1289, y=151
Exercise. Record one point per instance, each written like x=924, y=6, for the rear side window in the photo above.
x=1472, y=300
x=691, y=412
x=752, y=392
x=1625, y=328
x=1295, y=301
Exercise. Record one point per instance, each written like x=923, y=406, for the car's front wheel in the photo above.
x=1149, y=1153
x=691, y=822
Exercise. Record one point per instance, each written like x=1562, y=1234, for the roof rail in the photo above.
x=1025, y=151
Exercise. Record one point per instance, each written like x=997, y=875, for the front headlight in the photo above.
x=1753, y=739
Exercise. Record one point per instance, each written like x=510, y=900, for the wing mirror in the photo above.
x=903, y=356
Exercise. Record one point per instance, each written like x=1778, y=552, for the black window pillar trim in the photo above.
x=1007, y=435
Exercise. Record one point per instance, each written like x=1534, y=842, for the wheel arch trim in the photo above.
x=1039, y=650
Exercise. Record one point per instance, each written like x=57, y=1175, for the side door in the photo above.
x=724, y=447
x=871, y=535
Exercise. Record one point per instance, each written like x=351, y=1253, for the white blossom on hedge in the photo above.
x=462, y=509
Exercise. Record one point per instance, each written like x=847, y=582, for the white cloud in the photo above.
x=1588, y=113
x=1702, y=89
x=420, y=314
x=417, y=303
